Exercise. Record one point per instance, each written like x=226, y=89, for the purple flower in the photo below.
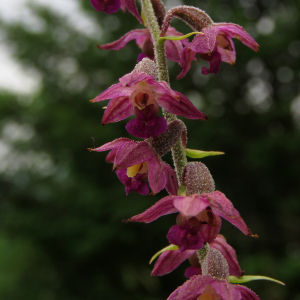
x=112, y=6
x=214, y=283
x=138, y=93
x=215, y=45
x=201, y=287
x=143, y=39
x=170, y=260
x=207, y=206
x=136, y=159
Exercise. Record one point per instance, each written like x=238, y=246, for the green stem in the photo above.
x=178, y=151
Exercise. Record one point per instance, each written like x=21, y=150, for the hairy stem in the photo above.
x=178, y=151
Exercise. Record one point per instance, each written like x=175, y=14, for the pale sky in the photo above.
x=13, y=77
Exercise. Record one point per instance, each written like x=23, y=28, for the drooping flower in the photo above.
x=213, y=284
x=215, y=45
x=138, y=93
x=211, y=205
x=144, y=41
x=112, y=6
x=144, y=158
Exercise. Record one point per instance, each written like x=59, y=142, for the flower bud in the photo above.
x=165, y=141
x=196, y=18
x=159, y=11
x=215, y=265
x=148, y=66
x=197, y=179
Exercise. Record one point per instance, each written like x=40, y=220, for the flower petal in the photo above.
x=187, y=56
x=172, y=183
x=132, y=8
x=191, y=206
x=237, y=32
x=246, y=293
x=169, y=261
x=132, y=153
x=118, y=109
x=160, y=208
x=112, y=145
x=179, y=105
x=223, y=207
x=214, y=63
x=193, y=288
x=156, y=177
x=109, y=7
x=205, y=43
x=129, y=36
x=226, y=290
x=116, y=90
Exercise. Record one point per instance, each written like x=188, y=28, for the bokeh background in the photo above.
x=61, y=207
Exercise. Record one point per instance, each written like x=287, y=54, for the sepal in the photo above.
x=193, y=153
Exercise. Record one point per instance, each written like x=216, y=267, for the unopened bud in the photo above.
x=196, y=18
x=197, y=179
x=165, y=141
x=215, y=265
x=159, y=11
x=148, y=66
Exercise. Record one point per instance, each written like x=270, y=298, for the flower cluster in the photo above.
x=200, y=208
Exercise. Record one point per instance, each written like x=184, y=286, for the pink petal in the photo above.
x=209, y=233
x=191, y=206
x=226, y=290
x=108, y=7
x=129, y=36
x=156, y=177
x=132, y=8
x=246, y=293
x=132, y=153
x=237, y=32
x=205, y=43
x=193, y=288
x=169, y=261
x=172, y=183
x=160, y=208
x=214, y=63
x=174, y=50
x=118, y=109
x=228, y=56
x=116, y=90
x=187, y=56
x=222, y=206
x=178, y=104
x=191, y=271
x=133, y=78
x=112, y=145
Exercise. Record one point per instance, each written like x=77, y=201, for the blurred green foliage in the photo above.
x=61, y=229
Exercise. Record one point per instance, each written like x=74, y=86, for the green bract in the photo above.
x=168, y=248
x=248, y=278
x=199, y=153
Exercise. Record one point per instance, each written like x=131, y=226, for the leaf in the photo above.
x=168, y=248
x=199, y=153
x=178, y=38
x=247, y=278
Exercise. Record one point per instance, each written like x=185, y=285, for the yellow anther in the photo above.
x=133, y=170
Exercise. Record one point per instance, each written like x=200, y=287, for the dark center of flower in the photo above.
x=141, y=100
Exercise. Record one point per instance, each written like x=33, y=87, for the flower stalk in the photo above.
x=178, y=151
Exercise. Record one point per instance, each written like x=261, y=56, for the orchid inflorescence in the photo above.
x=139, y=165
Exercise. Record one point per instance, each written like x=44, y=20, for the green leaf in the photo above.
x=199, y=153
x=182, y=190
x=247, y=278
x=178, y=38
x=168, y=248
